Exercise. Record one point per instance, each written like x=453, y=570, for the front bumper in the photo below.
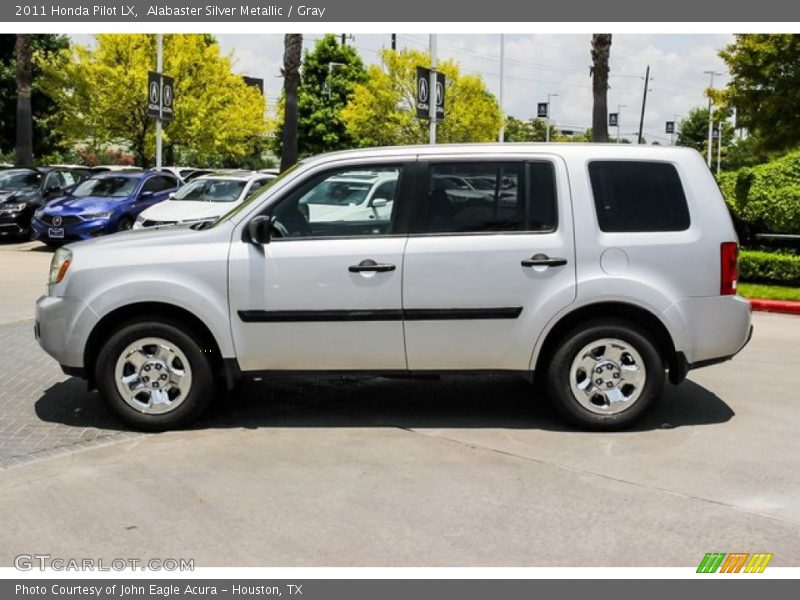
x=75, y=232
x=62, y=327
x=15, y=223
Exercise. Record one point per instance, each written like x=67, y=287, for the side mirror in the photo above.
x=171, y=195
x=53, y=189
x=259, y=229
x=68, y=190
x=378, y=202
x=145, y=195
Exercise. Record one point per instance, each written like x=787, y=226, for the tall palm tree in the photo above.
x=292, y=51
x=601, y=48
x=24, y=145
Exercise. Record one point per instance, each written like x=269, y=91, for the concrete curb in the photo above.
x=786, y=307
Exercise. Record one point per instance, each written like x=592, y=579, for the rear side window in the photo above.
x=490, y=197
x=637, y=196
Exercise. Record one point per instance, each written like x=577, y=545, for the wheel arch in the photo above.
x=675, y=361
x=156, y=311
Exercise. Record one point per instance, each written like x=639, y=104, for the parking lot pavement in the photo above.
x=24, y=266
x=461, y=471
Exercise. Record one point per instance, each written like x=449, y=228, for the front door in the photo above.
x=490, y=260
x=325, y=292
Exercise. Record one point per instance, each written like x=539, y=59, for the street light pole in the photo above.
x=547, y=121
x=644, y=102
x=711, y=75
x=159, y=68
x=432, y=96
x=619, y=115
x=501, y=136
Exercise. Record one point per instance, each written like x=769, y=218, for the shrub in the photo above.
x=767, y=197
x=772, y=267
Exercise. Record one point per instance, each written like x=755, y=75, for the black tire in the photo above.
x=559, y=389
x=197, y=399
x=125, y=223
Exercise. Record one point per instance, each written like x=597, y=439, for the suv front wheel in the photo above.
x=154, y=376
x=605, y=374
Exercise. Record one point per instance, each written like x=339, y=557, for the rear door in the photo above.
x=489, y=261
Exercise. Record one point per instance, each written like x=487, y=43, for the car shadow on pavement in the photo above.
x=450, y=402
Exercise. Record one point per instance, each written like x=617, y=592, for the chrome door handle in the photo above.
x=542, y=260
x=369, y=265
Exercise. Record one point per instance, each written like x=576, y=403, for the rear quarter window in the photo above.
x=638, y=196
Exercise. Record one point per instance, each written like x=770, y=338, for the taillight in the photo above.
x=729, y=268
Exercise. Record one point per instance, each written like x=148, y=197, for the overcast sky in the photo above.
x=539, y=64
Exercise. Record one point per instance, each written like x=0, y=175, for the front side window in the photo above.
x=638, y=196
x=159, y=183
x=480, y=197
x=211, y=190
x=344, y=202
x=19, y=180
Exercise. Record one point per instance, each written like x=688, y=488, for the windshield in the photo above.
x=106, y=187
x=19, y=180
x=253, y=196
x=211, y=190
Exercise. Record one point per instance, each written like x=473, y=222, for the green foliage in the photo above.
x=46, y=138
x=766, y=196
x=766, y=267
x=531, y=130
x=329, y=74
x=765, y=86
x=219, y=119
x=769, y=292
x=693, y=131
x=382, y=109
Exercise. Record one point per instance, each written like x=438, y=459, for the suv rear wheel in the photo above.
x=154, y=375
x=605, y=374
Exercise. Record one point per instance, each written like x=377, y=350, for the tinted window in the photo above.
x=106, y=187
x=477, y=197
x=634, y=196
x=159, y=183
x=345, y=202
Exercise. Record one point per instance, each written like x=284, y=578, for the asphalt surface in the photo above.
x=376, y=472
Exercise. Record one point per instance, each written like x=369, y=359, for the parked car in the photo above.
x=358, y=196
x=115, y=168
x=105, y=203
x=613, y=269
x=22, y=191
x=186, y=174
x=203, y=199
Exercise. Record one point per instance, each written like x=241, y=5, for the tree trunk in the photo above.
x=292, y=51
x=24, y=145
x=601, y=48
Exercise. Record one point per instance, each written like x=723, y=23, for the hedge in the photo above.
x=767, y=197
x=769, y=267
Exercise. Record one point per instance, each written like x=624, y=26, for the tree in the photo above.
x=330, y=72
x=532, y=130
x=382, y=111
x=24, y=143
x=601, y=49
x=219, y=119
x=765, y=87
x=46, y=138
x=292, y=49
x=693, y=129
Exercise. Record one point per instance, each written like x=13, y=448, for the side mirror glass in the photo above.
x=145, y=195
x=259, y=228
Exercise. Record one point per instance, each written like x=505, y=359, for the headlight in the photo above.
x=12, y=206
x=100, y=215
x=62, y=259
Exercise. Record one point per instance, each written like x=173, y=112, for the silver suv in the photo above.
x=598, y=268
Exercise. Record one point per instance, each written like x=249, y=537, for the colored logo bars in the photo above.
x=736, y=562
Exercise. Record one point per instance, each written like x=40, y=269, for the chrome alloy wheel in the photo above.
x=607, y=376
x=153, y=375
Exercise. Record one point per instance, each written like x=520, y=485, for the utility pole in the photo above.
x=159, y=69
x=711, y=75
x=547, y=121
x=344, y=39
x=719, y=144
x=502, y=135
x=394, y=41
x=644, y=102
x=619, y=118
x=433, y=95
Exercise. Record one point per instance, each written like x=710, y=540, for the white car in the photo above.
x=203, y=199
x=359, y=196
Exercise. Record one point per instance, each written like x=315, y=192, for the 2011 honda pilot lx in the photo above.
x=598, y=268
